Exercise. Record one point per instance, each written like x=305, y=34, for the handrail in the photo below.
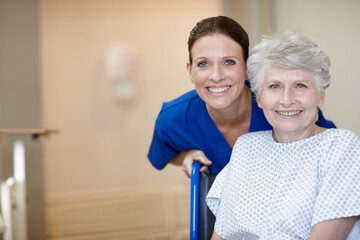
x=33, y=132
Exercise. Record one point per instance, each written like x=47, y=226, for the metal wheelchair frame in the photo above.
x=201, y=218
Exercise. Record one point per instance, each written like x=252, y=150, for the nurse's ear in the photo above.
x=188, y=67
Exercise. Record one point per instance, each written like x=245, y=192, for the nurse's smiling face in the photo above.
x=218, y=70
x=289, y=99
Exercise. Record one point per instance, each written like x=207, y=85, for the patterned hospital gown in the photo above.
x=277, y=191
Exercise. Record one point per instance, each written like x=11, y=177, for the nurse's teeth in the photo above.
x=289, y=113
x=218, y=90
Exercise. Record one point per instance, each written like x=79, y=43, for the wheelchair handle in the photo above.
x=194, y=206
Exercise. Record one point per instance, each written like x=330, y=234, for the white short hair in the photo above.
x=289, y=51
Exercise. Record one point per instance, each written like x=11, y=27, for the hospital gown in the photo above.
x=273, y=190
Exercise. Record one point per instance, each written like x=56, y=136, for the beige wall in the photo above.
x=102, y=144
x=335, y=26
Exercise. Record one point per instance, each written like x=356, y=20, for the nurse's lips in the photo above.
x=218, y=89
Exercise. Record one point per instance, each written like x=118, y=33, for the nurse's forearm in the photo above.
x=178, y=159
x=185, y=159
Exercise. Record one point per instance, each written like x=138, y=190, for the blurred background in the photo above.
x=98, y=71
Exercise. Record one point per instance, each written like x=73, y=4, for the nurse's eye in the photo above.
x=202, y=64
x=229, y=62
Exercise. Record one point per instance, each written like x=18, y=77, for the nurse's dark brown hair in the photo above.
x=223, y=25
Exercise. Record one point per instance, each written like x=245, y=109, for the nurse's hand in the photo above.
x=186, y=159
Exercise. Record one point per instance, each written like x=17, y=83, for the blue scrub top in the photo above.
x=184, y=124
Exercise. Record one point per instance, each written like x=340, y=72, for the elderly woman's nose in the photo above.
x=288, y=97
x=216, y=73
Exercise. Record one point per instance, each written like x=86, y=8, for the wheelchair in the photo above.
x=201, y=218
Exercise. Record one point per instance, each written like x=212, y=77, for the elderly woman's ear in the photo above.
x=321, y=98
x=258, y=100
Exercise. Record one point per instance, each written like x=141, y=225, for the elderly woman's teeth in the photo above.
x=291, y=113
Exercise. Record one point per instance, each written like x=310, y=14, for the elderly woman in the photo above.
x=299, y=180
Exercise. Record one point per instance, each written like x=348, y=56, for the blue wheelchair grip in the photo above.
x=194, y=201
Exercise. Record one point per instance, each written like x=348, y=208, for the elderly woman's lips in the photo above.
x=218, y=89
x=288, y=113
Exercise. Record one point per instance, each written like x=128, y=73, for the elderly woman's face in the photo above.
x=289, y=99
x=218, y=70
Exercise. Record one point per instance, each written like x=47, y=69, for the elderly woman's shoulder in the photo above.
x=340, y=137
x=341, y=133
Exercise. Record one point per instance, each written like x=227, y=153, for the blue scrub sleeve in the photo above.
x=160, y=152
x=322, y=122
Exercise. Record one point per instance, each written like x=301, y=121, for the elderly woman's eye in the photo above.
x=300, y=85
x=229, y=62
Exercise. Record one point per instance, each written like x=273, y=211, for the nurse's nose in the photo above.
x=216, y=73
